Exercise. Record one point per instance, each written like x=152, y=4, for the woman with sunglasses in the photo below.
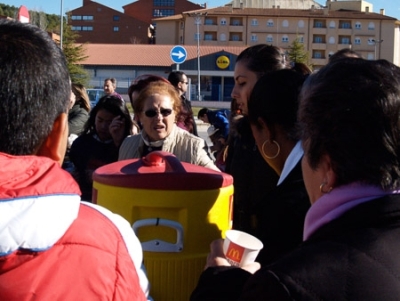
x=157, y=107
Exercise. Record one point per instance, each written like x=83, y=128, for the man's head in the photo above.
x=179, y=80
x=34, y=92
x=110, y=84
x=202, y=115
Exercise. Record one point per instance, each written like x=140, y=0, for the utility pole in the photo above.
x=376, y=42
x=61, y=25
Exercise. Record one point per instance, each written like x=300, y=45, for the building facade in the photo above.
x=97, y=23
x=341, y=24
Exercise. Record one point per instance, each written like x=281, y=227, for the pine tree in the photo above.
x=297, y=53
x=74, y=54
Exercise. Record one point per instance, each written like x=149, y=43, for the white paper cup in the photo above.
x=241, y=248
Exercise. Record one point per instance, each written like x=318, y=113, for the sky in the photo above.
x=392, y=7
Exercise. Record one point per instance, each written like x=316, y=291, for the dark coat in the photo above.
x=280, y=218
x=354, y=257
x=253, y=177
x=77, y=117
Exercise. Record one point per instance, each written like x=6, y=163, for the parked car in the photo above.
x=95, y=95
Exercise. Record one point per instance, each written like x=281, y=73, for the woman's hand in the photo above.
x=117, y=129
x=217, y=258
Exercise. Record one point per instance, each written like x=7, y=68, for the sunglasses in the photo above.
x=152, y=113
x=185, y=83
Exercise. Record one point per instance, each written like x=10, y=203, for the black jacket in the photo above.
x=355, y=257
x=253, y=177
x=77, y=117
x=280, y=217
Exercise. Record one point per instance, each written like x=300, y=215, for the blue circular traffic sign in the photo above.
x=178, y=54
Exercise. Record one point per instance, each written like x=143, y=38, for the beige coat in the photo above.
x=185, y=146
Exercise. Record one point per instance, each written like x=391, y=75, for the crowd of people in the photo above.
x=315, y=159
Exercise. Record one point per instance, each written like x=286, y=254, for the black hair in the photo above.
x=262, y=58
x=274, y=99
x=349, y=110
x=115, y=106
x=34, y=87
x=202, y=112
x=175, y=77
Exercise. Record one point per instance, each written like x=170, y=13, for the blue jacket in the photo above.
x=220, y=120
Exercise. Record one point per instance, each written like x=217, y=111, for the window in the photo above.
x=318, y=40
x=371, y=26
x=332, y=24
x=223, y=21
x=317, y=55
x=344, y=40
x=300, y=39
x=235, y=37
x=270, y=39
x=82, y=28
x=222, y=37
x=344, y=24
x=357, y=25
x=87, y=18
x=318, y=24
x=163, y=2
x=236, y=22
x=208, y=37
x=285, y=39
x=254, y=37
x=332, y=40
x=270, y=23
x=371, y=41
x=357, y=41
x=76, y=17
x=116, y=18
x=285, y=23
x=163, y=12
x=208, y=22
x=115, y=28
x=300, y=24
x=254, y=22
x=370, y=56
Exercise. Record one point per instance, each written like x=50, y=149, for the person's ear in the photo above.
x=329, y=176
x=55, y=145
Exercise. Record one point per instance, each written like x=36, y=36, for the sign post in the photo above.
x=178, y=55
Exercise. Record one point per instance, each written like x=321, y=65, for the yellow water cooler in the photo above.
x=176, y=210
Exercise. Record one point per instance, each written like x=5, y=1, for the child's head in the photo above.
x=104, y=112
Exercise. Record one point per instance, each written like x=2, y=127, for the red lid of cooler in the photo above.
x=162, y=171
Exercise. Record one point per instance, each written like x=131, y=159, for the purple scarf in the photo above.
x=341, y=199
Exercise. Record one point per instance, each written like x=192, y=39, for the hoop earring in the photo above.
x=270, y=157
x=321, y=188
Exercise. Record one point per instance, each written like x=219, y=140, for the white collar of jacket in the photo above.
x=38, y=203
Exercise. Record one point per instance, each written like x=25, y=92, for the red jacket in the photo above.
x=89, y=261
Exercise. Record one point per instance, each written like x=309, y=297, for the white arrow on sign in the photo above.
x=180, y=54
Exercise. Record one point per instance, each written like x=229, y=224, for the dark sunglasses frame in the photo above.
x=152, y=113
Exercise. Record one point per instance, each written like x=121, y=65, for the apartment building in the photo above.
x=338, y=25
x=97, y=23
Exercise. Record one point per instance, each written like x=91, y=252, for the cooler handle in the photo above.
x=158, y=245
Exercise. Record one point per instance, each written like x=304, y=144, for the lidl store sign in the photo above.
x=223, y=62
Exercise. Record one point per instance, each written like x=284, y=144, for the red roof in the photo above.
x=145, y=55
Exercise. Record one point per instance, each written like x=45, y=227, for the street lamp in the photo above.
x=375, y=42
x=197, y=20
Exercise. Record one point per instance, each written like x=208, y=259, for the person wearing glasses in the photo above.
x=185, y=118
x=157, y=106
